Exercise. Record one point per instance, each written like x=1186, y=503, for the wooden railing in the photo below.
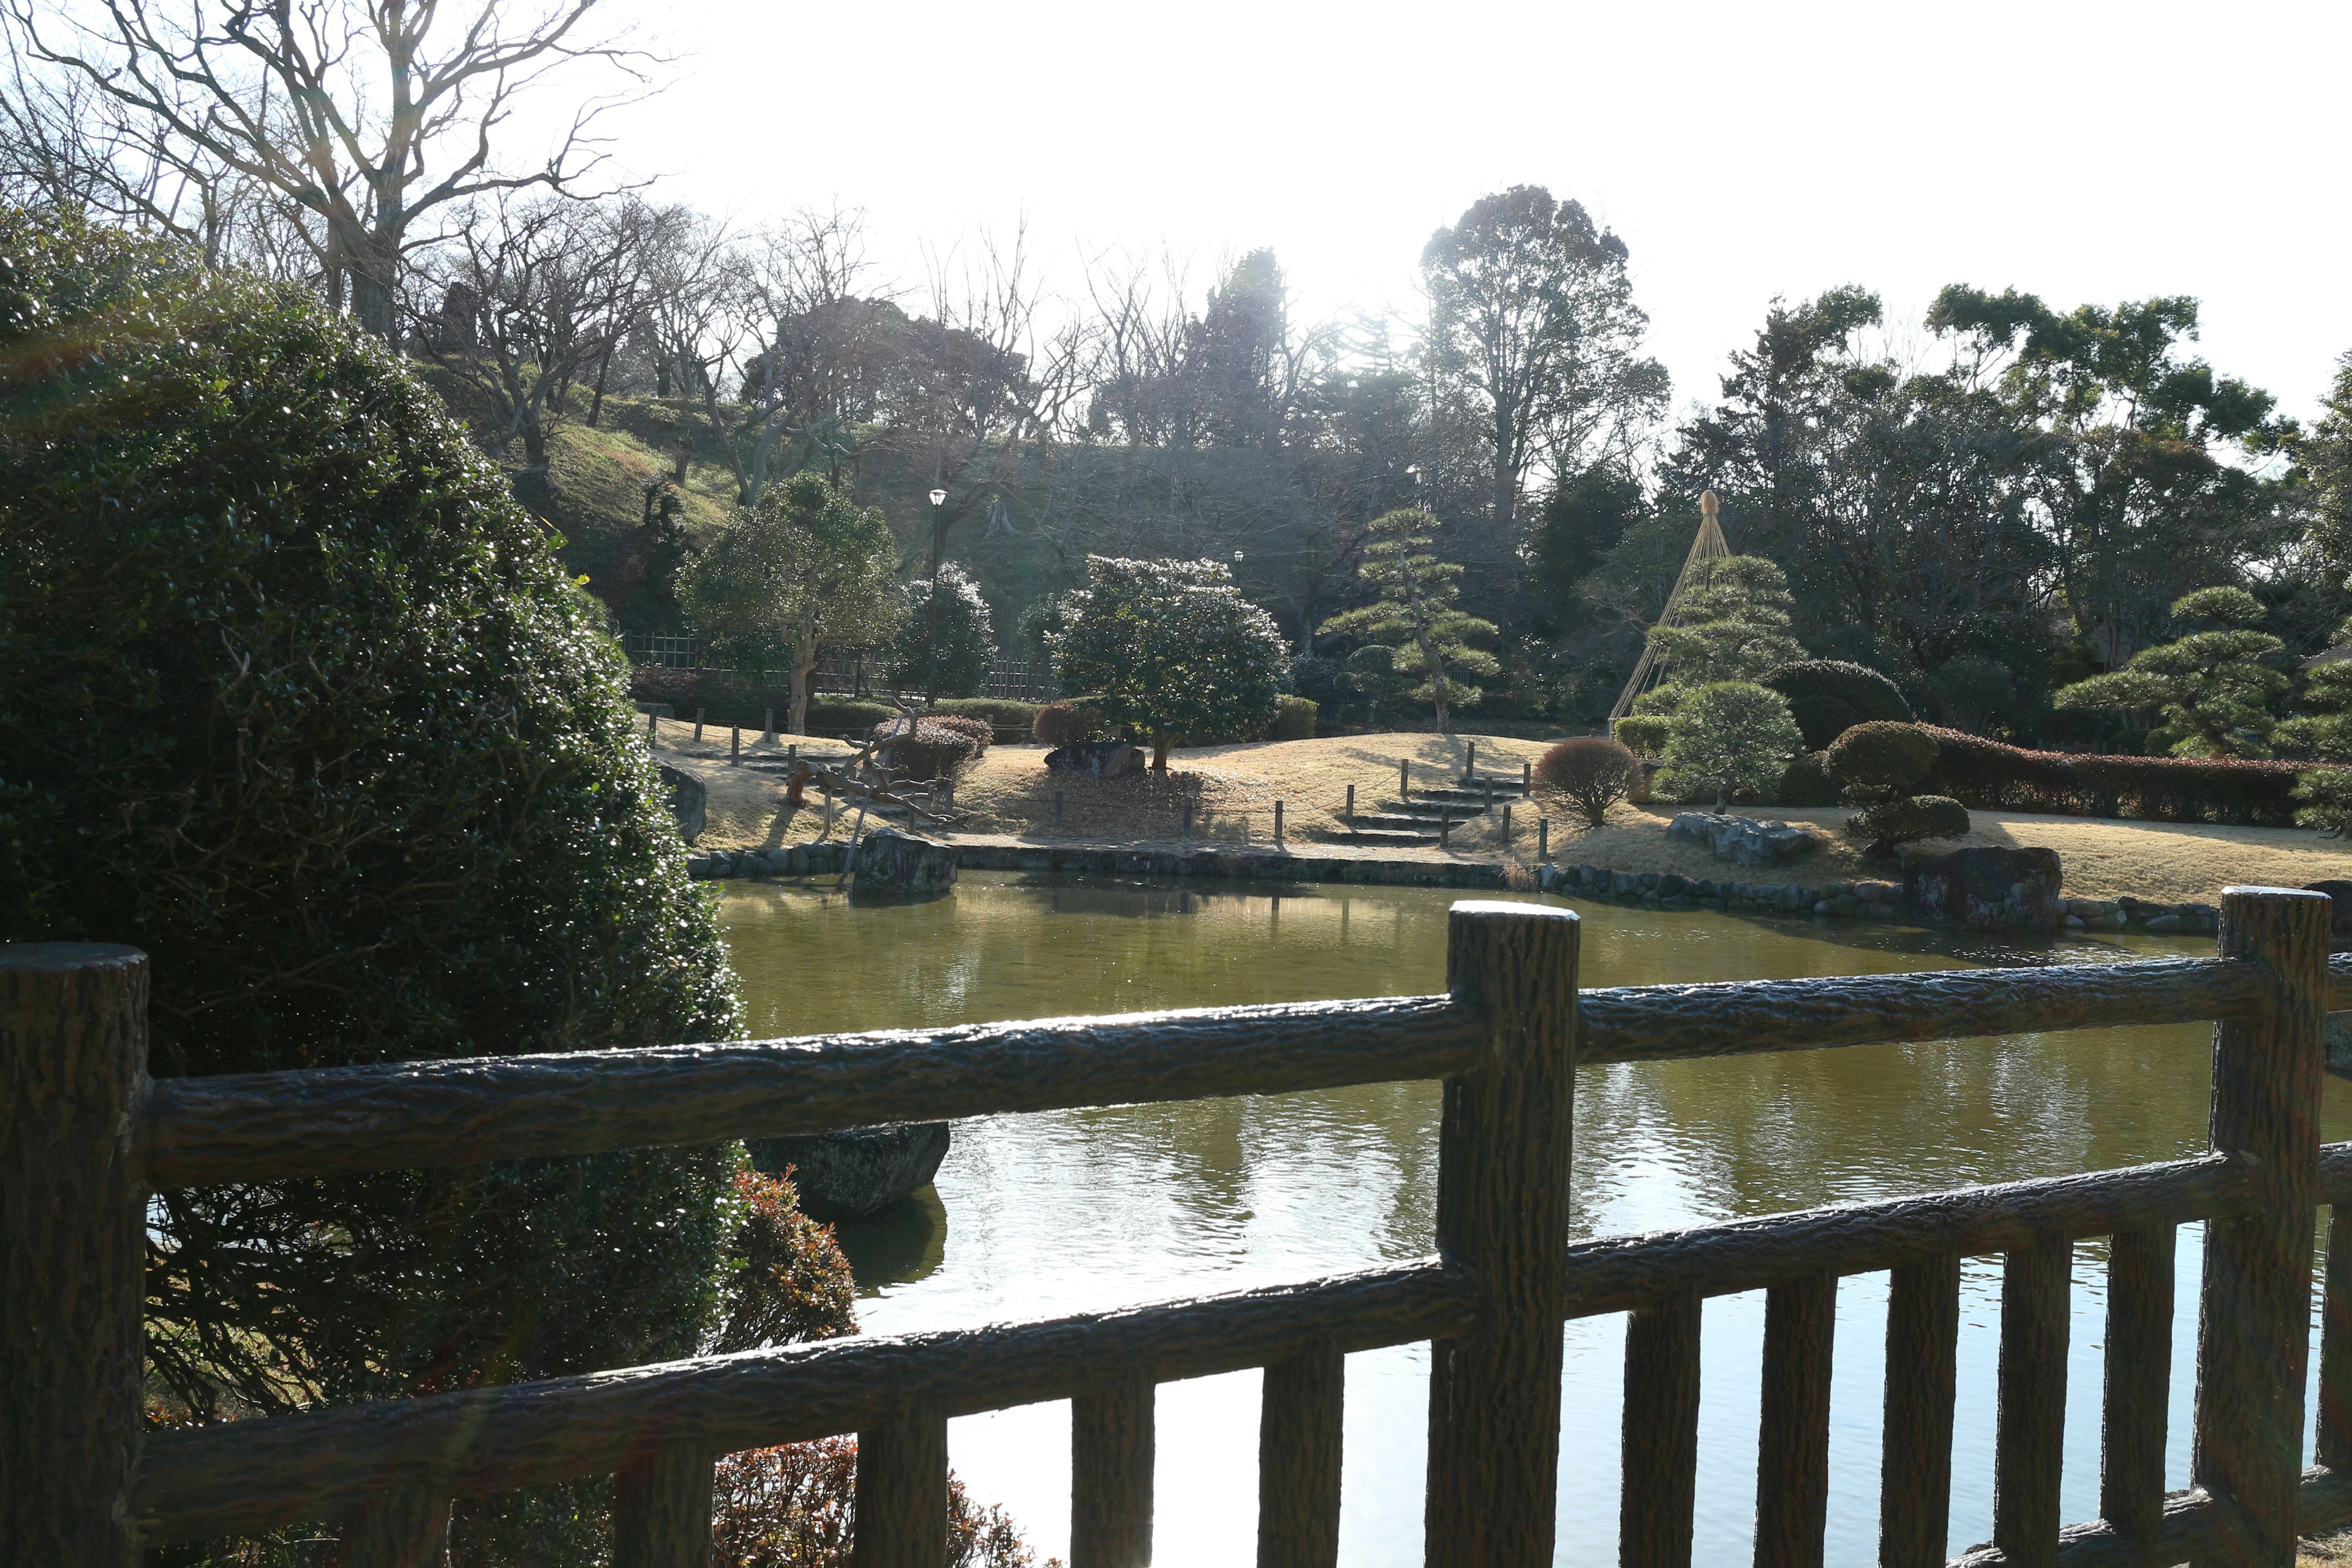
x=85, y=1138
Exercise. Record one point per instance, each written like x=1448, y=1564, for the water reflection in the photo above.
x=1087, y=1210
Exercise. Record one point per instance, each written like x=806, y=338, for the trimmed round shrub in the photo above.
x=1728, y=737
x=926, y=749
x=296, y=698
x=1294, y=719
x=1879, y=761
x=844, y=715
x=1066, y=722
x=1808, y=782
x=1003, y=712
x=1827, y=697
x=1643, y=734
x=1907, y=818
x=981, y=731
x=955, y=653
x=1593, y=772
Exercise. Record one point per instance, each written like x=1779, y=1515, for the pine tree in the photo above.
x=2212, y=686
x=1418, y=611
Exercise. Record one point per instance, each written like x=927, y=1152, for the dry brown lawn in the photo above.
x=1009, y=796
x=2326, y=1552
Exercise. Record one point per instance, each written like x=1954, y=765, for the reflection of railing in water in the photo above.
x=1491, y=1300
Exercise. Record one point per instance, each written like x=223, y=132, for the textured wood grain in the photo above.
x=661, y=1510
x=258, y=1474
x=2138, y=1387
x=1111, y=1456
x=1502, y=1217
x=1660, y=1466
x=73, y=1068
x=902, y=1491
x=1298, y=1457
x=1914, y=1475
x=408, y=1528
x=248, y=1126
x=2190, y=1532
x=1657, y=1022
x=2253, y=1328
x=1792, y=1468
x=1613, y=1274
x=2028, y=1451
x=2334, y=1448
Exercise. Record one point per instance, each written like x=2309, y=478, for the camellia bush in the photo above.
x=1169, y=647
x=296, y=699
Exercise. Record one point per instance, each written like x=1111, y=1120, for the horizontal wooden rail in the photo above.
x=1740, y=1017
x=255, y=1126
x=2191, y=1530
x=255, y=1475
x=1620, y=1273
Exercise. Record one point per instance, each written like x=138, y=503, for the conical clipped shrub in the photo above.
x=294, y=697
x=1827, y=697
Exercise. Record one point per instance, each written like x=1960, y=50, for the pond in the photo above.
x=1038, y=1215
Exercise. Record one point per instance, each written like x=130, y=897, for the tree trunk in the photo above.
x=534, y=444
x=1160, y=752
x=804, y=661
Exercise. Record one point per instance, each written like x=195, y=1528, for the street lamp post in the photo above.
x=931, y=637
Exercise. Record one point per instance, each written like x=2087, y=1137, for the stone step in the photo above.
x=1374, y=835
x=1397, y=821
x=1431, y=810
x=1456, y=792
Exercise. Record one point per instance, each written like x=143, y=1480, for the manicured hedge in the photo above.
x=728, y=697
x=1986, y=775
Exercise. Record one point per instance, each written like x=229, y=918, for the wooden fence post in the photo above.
x=1502, y=1217
x=1299, y=1460
x=1111, y=1456
x=2138, y=1379
x=73, y=1216
x=902, y=1492
x=1543, y=837
x=661, y=1511
x=1914, y=1484
x=2253, y=1328
x=1351, y=805
x=2030, y=1437
x=1660, y=1451
x=697, y=726
x=1277, y=822
x=1404, y=778
x=1792, y=1468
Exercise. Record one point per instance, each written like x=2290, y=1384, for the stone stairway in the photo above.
x=1416, y=820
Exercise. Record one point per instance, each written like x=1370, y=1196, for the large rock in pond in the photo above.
x=849, y=1174
x=2339, y=894
x=1742, y=840
x=898, y=864
x=1989, y=888
x=1096, y=759
x=689, y=801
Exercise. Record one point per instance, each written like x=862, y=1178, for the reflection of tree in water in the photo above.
x=896, y=1245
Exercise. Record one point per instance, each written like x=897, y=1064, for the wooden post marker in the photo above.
x=1184, y=827
x=651, y=720
x=1543, y=837
x=1404, y=778
x=1277, y=822
x=1111, y=1454
x=902, y=1492
x=1351, y=805
x=697, y=726
x=768, y=732
x=73, y=1219
x=1502, y=1217
x=1527, y=777
x=735, y=745
x=2252, y=1333
x=1470, y=762
x=1506, y=822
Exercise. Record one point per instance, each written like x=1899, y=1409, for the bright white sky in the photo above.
x=2086, y=151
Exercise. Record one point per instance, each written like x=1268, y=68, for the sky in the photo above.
x=2084, y=152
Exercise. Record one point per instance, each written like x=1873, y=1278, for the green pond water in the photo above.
x=1037, y=1215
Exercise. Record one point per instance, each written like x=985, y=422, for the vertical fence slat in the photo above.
x=2139, y=1381
x=1661, y=1441
x=2253, y=1322
x=1915, y=1476
x=2335, y=1445
x=902, y=1492
x=661, y=1511
x=2030, y=1446
x=404, y=1529
x=1299, y=1460
x=1111, y=1454
x=1502, y=1216
x=73, y=1072
x=1792, y=1469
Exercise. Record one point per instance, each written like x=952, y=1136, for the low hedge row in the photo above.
x=728, y=697
x=1986, y=775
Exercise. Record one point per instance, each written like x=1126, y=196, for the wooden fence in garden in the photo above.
x=85, y=1137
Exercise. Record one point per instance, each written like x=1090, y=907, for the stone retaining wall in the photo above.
x=825, y=859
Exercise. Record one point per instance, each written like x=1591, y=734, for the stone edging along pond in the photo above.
x=1867, y=900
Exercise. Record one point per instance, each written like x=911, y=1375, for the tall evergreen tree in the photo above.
x=1418, y=611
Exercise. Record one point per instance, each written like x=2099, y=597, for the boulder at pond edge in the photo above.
x=1742, y=840
x=851, y=1173
x=1990, y=889
x=689, y=801
x=890, y=860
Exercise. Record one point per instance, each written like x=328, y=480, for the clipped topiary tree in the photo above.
x=1592, y=771
x=1418, y=609
x=1730, y=737
x=1294, y=719
x=2213, y=686
x=1174, y=649
x=950, y=657
x=1879, y=761
x=1905, y=819
x=1827, y=697
x=1068, y=722
x=294, y=697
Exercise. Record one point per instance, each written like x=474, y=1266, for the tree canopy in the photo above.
x=2212, y=685
x=1173, y=648
x=1419, y=612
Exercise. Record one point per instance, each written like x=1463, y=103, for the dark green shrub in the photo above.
x=1003, y=712
x=1827, y=697
x=965, y=642
x=1907, y=818
x=1986, y=775
x=1374, y=674
x=1808, y=782
x=926, y=748
x=1644, y=734
x=836, y=716
x=1294, y=719
x=1972, y=692
x=294, y=697
x=981, y=731
x=1068, y=721
x=1879, y=761
x=1322, y=681
x=1593, y=772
